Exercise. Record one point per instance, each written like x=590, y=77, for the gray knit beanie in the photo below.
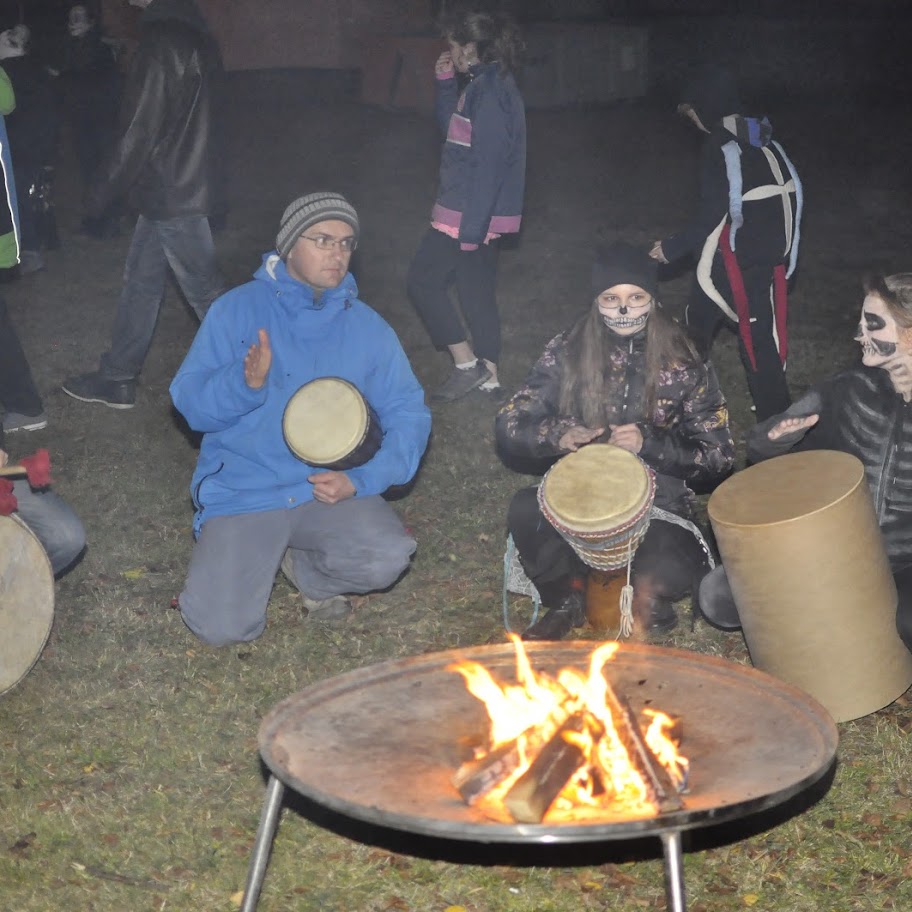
x=307, y=211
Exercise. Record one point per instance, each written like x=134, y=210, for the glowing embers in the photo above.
x=569, y=748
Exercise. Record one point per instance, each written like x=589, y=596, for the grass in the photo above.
x=129, y=774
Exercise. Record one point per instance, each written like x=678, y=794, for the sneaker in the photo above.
x=328, y=609
x=14, y=421
x=496, y=394
x=460, y=382
x=118, y=394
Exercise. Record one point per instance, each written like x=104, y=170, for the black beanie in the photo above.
x=713, y=93
x=623, y=264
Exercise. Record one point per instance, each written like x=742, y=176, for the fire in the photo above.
x=567, y=747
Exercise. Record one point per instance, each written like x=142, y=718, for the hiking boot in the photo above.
x=15, y=421
x=558, y=622
x=95, y=387
x=462, y=380
x=329, y=609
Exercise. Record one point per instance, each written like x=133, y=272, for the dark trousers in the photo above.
x=18, y=392
x=669, y=562
x=766, y=382
x=903, y=579
x=183, y=246
x=438, y=263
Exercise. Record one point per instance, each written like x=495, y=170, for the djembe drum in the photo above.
x=805, y=559
x=329, y=424
x=599, y=499
x=26, y=600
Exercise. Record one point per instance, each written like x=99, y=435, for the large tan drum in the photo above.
x=328, y=423
x=599, y=499
x=805, y=559
x=26, y=600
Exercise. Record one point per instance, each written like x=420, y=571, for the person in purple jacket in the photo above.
x=479, y=198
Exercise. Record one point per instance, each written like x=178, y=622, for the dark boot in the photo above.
x=652, y=613
x=558, y=622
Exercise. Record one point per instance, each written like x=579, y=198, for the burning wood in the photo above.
x=568, y=747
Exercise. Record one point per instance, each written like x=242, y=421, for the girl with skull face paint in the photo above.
x=867, y=412
x=626, y=373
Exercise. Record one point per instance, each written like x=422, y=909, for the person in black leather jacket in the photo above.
x=164, y=161
x=867, y=412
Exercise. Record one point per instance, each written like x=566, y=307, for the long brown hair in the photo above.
x=496, y=35
x=583, y=390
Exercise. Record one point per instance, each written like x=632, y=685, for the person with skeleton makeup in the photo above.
x=865, y=411
x=626, y=373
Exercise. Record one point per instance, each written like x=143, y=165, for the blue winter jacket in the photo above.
x=483, y=163
x=244, y=465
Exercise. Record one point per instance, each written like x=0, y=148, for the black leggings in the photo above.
x=440, y=261
x=670, y=561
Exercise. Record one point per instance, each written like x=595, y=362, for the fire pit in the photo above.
x=381, y=745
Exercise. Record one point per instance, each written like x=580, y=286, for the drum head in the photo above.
x=598, y=488
x=26, y=600
x=324, y=421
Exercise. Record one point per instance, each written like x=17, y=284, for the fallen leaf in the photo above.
x=135, y=573
x=750, y=899
x=237, y=899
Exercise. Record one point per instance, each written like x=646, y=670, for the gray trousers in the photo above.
x=357, y=545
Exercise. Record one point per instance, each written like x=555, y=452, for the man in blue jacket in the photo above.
x=258, y=505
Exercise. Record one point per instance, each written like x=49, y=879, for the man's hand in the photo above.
x=257, y=361
x=331, y=487
x=657, y=253
x=791, y=426
x=579, y=436
x=627, y=437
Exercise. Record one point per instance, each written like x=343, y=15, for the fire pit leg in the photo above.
x=269, y=820
x=674, y=870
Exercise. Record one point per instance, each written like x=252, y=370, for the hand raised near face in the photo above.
x=657, y=253
x=257, y=361
x=331, y=487
x=792, y=426
x=626, y=436
x=444, y=65
x=579, y=436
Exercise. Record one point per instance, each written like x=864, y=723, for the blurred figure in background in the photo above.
x=34, y=130
x=91, y=89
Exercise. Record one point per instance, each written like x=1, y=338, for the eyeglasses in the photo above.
x=326, y=242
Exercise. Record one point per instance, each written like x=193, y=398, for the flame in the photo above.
x=606, y=783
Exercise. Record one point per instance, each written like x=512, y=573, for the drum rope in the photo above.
x=626, y=603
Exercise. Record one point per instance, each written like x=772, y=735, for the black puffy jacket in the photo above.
x=163, y=157
x=860, y=414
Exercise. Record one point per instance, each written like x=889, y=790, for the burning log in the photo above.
x=533, y=793
x=476, y=778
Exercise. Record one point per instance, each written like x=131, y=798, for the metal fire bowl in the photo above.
x=381, y=744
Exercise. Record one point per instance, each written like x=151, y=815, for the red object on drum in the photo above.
x=38, y=468
x=8, y=502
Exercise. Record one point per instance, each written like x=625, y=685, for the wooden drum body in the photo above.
x=599, y=499
x=329, y=424
x=806, y=562
x=26, y=600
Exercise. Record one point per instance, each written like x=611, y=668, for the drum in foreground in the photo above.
x=26, y=600
x=599, y=499
x=806, y=562
x=329, y=424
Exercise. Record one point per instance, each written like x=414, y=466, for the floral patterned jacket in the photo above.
x=687, y=440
